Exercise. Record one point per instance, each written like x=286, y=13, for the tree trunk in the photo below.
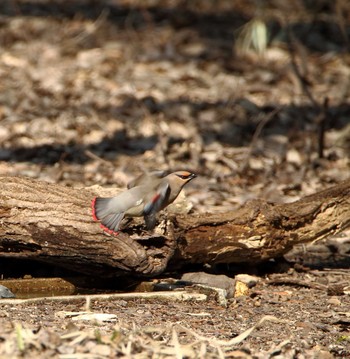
x=53, y=224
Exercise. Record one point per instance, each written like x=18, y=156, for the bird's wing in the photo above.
x=146, y=178
x=157, y=202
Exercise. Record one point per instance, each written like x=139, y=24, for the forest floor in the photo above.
x=95, y=92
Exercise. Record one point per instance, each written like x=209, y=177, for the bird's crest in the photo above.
x=185, y=175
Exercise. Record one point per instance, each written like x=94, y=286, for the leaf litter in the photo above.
x=95, y=92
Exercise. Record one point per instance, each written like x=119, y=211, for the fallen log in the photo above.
x=52, y=223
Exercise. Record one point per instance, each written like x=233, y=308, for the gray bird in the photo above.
x=147, y=177
x=146, y=196
x=5, y=292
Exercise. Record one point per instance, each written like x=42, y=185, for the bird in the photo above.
x=145, y=197
x=146, y=177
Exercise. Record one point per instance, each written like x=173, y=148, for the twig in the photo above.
x=91, y=28
x=297, y=282
x=176, y=344
x=180, y=295
x=267, y=118
x=302, y=78
x=239, y=338
x=340, y=16
x=327, y=271
x=321, y=120
x=93, y=156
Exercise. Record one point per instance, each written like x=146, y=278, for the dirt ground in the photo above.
x=95, y=92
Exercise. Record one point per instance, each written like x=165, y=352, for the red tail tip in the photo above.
x=93, y=202
x=108, y=230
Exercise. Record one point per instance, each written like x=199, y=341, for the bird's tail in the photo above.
x=102, y=211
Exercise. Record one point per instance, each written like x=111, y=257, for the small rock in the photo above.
x=239, y=354
x=249, y=280
x=95, y=317
x=334, y=301
x=241, y=289
x=65, y=349
x=5, y=292
x=212, y=280
x=293, y=156
x=101, y=350
x=321, y=353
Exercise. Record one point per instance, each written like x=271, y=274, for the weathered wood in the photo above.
x=53, y=224
x=262, y=230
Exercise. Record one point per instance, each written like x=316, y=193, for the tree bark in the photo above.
x=53, y=224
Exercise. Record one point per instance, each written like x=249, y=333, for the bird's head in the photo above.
x=184, y=176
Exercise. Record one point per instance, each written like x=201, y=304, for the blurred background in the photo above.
x=253, y=96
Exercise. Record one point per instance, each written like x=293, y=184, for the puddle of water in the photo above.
x=39, y=287
x=26, y=288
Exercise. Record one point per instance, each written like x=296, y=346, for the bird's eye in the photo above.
x=184, y=177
